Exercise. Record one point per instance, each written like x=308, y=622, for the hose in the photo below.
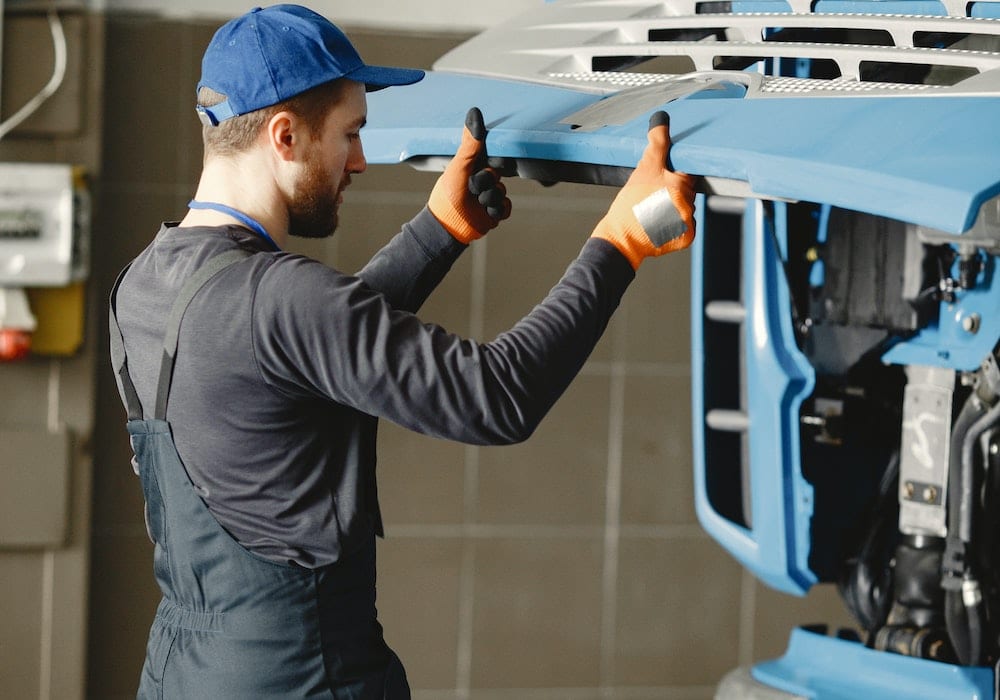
x=968, y=446
x=866, y=584
x=964, y=613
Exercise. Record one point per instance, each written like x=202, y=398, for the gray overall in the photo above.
x=232, y=624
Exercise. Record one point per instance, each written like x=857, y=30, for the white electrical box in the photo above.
x=44, y=215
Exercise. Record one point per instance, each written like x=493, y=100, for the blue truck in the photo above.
x=845, y=293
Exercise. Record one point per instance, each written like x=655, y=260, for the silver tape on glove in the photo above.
x=659, y=218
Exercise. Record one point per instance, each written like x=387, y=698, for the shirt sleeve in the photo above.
x=413, y=263
x=322, y=334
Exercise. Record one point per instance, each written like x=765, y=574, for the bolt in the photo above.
x=970, y=323
x=909, y=489
x=930, y=494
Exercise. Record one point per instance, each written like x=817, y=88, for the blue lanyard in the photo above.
x=251, y=222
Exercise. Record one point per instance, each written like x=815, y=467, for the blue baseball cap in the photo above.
x=272, y=54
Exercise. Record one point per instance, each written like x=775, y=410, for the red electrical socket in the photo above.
x=15, y=344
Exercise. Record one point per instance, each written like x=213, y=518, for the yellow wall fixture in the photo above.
x=59, y=314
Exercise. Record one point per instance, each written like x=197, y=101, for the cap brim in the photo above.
x=378, y=77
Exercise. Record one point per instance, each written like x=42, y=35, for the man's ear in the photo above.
x=283, y=135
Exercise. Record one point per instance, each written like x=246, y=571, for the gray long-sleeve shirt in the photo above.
x=284, y=366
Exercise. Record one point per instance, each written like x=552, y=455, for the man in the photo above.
x=253, y=378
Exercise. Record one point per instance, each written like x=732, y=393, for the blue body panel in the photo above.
x=916, y=159
x=828, y=668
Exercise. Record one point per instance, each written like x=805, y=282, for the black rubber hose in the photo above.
x=964, y=613
x=972, y=410
x=956, y=563
x=980, y=426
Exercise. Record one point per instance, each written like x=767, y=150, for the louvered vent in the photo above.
x=608, y=47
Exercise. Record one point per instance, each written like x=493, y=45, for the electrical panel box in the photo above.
x=44, y=215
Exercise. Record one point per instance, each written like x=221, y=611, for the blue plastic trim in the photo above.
x=882, y=7
x=985, y=9
x=778, y=378
x=827, y=668
x=924, y=160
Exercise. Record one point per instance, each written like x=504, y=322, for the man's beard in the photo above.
x=313, y=212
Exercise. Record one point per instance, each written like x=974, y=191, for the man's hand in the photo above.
x=468, y=199
x=653, y=213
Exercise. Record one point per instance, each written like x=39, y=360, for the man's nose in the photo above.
x=358, y=163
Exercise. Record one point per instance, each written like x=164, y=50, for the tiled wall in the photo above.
x=47, y=402
x=571, y=566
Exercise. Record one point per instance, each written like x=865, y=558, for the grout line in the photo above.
x=501, y=530
x=748, y=604
x=470, y=496
x=467, y=576
x=691, y=692
x=612, y=527
x=47, y=617
x=52, y=414
x=474, y=531
x=466, y=609
x=638, y=369
x=477, y=291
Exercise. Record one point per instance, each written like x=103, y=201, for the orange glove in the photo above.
x=653, y=213
x=468, y=199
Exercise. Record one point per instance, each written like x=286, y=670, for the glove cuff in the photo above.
x=452, y=219
x=622, y=237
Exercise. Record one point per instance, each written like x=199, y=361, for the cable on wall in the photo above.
x=58, y=74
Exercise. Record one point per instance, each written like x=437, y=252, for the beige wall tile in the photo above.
x=678, y=612
x=409, y=184
x=402, y=48
x=368, y=222
x=76, y=373
x=421, y=480
x=418, y=603
x=657, y=308
x=537, y=613
x=558, y=476
x=529, y=252
x=657, y=476
x=25, y=390
x=21, y=612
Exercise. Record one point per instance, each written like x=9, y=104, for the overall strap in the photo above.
x=187, y=293
x=119, y=361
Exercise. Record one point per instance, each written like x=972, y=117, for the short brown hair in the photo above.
x=237, y=134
